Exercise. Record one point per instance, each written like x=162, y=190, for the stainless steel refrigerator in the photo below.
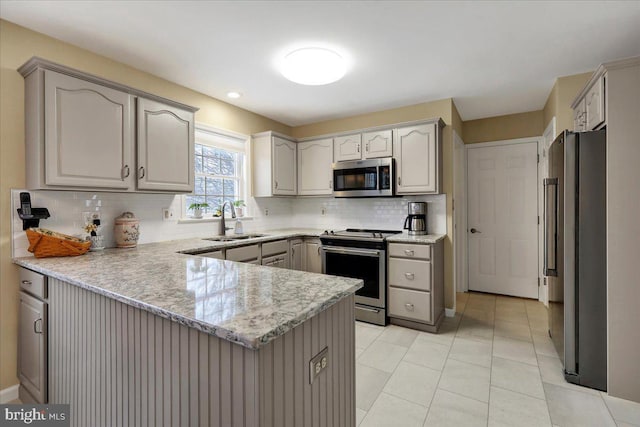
x=575, y=255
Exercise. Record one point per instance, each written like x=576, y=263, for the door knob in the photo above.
x=474, y=231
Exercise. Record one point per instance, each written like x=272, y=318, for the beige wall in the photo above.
x=17, y=45
x=559, y=101
x=442, y=108
x=511, y=126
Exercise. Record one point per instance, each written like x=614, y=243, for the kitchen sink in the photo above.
x=233, y=237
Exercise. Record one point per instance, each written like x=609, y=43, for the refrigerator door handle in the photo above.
x=550, y=226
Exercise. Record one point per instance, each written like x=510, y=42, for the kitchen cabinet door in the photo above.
x=88, y=134
x=594, y=105
x=347, y=147
x=297, y=255
x=315, y=176
x=284, y=167
x=579, y=117
x=313, y=256
x=32, y=346
x=165, y=147
x=377, y=144
x=418, y=159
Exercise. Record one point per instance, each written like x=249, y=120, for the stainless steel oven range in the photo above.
x=360, y=254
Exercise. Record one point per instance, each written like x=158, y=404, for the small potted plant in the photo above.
x=239, y=207
x=197, y=209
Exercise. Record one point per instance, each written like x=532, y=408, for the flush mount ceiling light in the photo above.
x=234, y=95
x=313, y=66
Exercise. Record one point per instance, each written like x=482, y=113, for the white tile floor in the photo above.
x=491, y=365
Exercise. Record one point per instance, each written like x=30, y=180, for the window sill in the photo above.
x=190, y=220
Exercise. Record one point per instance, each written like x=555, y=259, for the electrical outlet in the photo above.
x=318, y=364
x=266, y=211
x=167, y=214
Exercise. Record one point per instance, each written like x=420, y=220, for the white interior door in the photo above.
x=503, y=219
x=460, y=214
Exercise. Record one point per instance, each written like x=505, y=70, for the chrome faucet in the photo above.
x=222, y=228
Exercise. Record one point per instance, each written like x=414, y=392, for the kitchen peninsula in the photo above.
x=151, y=336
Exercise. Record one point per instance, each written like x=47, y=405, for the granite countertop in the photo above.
x=243, y=303
x=425, y=239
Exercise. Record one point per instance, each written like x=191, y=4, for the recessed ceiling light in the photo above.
x=313, y=66
x=234, y=95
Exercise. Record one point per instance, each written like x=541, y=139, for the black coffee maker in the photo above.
x=416, y=221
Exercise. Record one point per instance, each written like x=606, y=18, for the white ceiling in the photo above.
x=493, y=58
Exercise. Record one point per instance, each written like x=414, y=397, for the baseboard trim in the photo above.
x=450, y=312
x=9, y=394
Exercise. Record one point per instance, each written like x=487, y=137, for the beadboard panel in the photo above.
x=121, y=366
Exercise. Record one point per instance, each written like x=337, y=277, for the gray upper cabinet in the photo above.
x=88, y=134
x=589, y=107
x=165, y=147
x=274, y=161
x=377, y=144
x=418, y=153
x=315, y=175
x=80, y=134
x=347, y=147
x=284, y=167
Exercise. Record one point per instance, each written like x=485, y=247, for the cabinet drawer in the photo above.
x=413, y=305
x=34, y=283
x=409, y=273
x=214, y=254
x=410, y=251
x=273, y=248
x=244, y=253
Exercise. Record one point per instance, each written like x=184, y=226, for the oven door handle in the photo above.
x=350, y=251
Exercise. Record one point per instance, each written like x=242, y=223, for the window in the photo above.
x=219, y=170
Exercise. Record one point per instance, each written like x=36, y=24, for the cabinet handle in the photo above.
x=27, y=282
x=408, y=252
x=358, y=148
x=35, y=326
x=319, y=250
x=276, y=182
x=399, y=181
x=409, y=276
x=125, y=172
x=409, y=307
x=367, y=147
x=141, y=174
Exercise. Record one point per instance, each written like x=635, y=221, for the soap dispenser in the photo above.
x=238, y=227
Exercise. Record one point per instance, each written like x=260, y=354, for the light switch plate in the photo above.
x=318, y=364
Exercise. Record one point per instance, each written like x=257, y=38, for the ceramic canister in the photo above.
x=127, y=230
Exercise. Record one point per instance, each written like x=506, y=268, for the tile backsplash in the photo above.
x=67, y=207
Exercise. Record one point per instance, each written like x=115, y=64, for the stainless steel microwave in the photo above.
x=364, y=178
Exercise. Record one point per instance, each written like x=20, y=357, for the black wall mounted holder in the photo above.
x=30, y=216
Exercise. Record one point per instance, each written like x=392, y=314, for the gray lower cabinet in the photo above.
x=118, y=365
x=416, y=285
x=297, y=254
x=248, y=254
x=313, y=255
x=32, y=338
x=276, y=254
